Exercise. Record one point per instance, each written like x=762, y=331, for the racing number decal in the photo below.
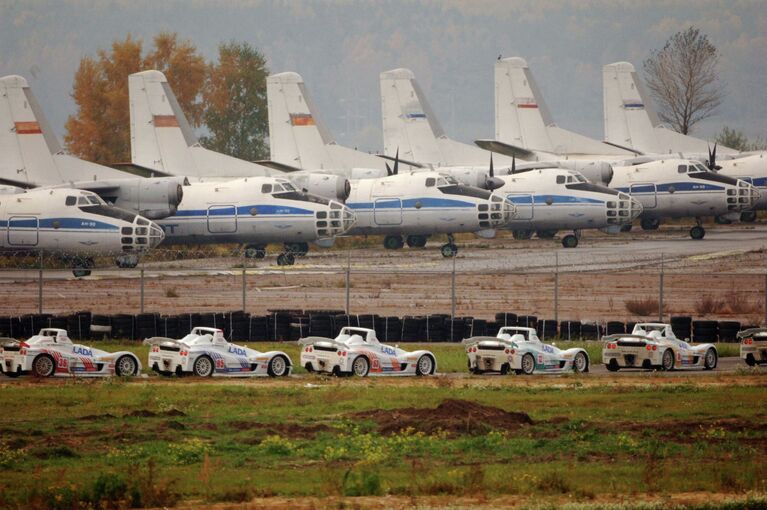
x=219, y=363
x=375, y=366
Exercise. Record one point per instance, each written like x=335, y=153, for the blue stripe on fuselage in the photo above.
x=409, y=203
x=555, y=200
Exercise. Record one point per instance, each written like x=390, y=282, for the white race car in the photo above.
x=357, y=351
x=52, y=353
x=653, y=345
x=520, y=350
x=205, y=352
x=753, y=346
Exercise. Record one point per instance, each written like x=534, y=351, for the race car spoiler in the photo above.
x=751, y=332
x=157, y=340
x=477, y=339
x=314, y=339
x=4, y=340
x=618, y=336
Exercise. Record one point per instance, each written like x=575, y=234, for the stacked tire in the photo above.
x=146, y=325
x=615, y=328
x=705, y=331
x=505, y=319
x=546, y=329
x=389, y=329
x=79, y=325
x=728, y=331
x=590, y=331
x=412, y=328
x=434, y=328
x=455, y=329
x=682, y=326
x=527, y=321
x=570, y=330
x=123, y=327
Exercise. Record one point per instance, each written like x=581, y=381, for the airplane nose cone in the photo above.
x=623, y=209
x=500, y=210
x=156, y=235
x=340, y=219
x=747, y=195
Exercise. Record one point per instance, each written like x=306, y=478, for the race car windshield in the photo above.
x=301, y=197
x=109, y=212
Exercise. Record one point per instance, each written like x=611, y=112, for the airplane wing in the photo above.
x=282, y=167
x=505, y=149
x=141, y=171
x=402, y=161
x=635, y=151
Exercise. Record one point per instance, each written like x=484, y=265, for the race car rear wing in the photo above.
x=476, y=339
x=751, y=332
x=618, y=336
x=157, y=340
x=313, y=339
x=4, y=340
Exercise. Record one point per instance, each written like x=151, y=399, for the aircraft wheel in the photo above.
x=626, y=228
x=748, y=216
x=127, y=261
x=570, y=241
x=416, y=241
x=697, y=232
x=286, y=259
x=650, y=223
x=299, y=249
x=449, y=250
x=393, y=242
x=522, y=235
x=253, y=251
x=545, y=234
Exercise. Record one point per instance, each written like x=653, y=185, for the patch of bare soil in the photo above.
x=292, y=430
x=454, y=416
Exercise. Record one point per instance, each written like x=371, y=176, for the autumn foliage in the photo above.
x=100, y=130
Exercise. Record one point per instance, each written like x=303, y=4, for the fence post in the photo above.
x=660, y=291
x=244, y=287
x=765, y=299
x=348, y=278
x=452, y=298
x=142, y=290
x=556, y=287
x=40, y=284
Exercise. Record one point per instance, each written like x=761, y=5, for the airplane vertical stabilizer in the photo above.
x=631, y=121
x=163, y=140
x=523, y=119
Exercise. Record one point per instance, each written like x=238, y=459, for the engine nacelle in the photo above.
x=475, y=176
x=153, y=198
x=334, y=187
x=11, y=190
x=598, y=172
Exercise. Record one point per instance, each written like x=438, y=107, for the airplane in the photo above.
x=386, y=203
x=631, y=121
x=72, y=224
x=524, y=121
x=548, y=198
x=253, y=211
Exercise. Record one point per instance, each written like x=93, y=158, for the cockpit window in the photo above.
x=110, y=212
x=698, y=168
x=288, y=186
x=83, y=201
x=266, y=188
x=278, y=188
x=71, y=201
x=302, y=197
x=430, y=182
x=441, y=181
x=93, y=200
x=560, y=179
x=682, y=169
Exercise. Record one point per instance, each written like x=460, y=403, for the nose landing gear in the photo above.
x=82, y=267
x=698, y=232
x=450, y=249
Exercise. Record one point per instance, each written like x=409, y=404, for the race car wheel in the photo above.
x=667, y=361
x=126, y=365
x=581, y=363
x=528, y=364
x=203, y=367
x=505, y=369
x=613, y=366
x=12, y=375
x=43, y=366
x=750, y=361
x=278, y=366
x=425, y=365
x=711, y=359
x=361, y=366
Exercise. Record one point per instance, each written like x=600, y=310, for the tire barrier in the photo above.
x=290, y=325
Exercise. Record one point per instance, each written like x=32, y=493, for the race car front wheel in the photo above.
x=126, y=365
x=43, y=366
x=710, y=361
x=361, y=366
x=278, y=366
x=528, y=364
x=203, y=367
x=581, y=363
x=425, y=365
x=667, y=361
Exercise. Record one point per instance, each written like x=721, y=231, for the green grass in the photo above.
x=152, y=442
x=450, y=357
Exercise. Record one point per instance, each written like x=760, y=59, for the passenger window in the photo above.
x=560, y=179
x=266, y=188
x=71, y=201
x=682, y=169
x=431, y=181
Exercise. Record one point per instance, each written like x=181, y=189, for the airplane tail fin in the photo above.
x=297, y=136
x=27, y=142
x=160, y=134
x=409, y=124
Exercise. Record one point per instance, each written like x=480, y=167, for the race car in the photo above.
x=753, y=346
x=653, y=345
x=520, y=350
x=52, y=353
x=205, y=352
x=357, y=351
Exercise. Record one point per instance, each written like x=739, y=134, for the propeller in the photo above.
x=712, y=159
x=388, y=170
x=492, y=181
x=396, y=162
x=513, y=168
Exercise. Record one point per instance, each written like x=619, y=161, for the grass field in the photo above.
x=79, y=444
x=450, y=357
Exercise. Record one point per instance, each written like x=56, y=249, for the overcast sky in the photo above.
x=340, y=47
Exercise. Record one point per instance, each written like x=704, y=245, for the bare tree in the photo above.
x=683, y=79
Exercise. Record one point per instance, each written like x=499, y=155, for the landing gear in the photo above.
x=626, y=228
x=748, y=216
x=286, y=259
x=697, y=232
x=416, y=241
x=298, y=249
x=570, y=241
x=255, y=251
x=393, y=242
x=127, y=260
x=545, y=234
x=522, y=235
x=82, y=267
x=650, y=223
x=450, y=249
x=721, y=220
